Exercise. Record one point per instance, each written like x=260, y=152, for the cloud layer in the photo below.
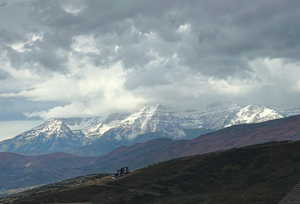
x=78, y=58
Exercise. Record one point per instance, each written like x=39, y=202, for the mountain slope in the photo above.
x=255, y=174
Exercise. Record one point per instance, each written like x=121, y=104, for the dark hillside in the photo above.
x=261, y=174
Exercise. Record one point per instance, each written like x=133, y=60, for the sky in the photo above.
x=9, y=129
x=77, y=58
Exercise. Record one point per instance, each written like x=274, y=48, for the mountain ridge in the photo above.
x=101, y=135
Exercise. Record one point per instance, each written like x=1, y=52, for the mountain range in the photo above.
x=25, y=171
x=100, y=135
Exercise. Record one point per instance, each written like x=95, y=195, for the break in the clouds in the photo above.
x=67, y=58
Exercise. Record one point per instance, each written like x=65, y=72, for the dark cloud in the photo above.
x=163, y=45
x=3, y=4
x=223, y=34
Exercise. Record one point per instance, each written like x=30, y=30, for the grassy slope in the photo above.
x=260, y=174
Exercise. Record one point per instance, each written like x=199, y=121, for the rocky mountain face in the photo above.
x=100, y=135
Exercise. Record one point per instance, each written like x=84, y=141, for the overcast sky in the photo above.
x=65, y=58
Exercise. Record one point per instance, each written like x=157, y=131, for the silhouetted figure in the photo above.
x=121, y=172
x=117, y=174
x=126, y=170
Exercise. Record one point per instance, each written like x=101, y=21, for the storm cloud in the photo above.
x=93, y=57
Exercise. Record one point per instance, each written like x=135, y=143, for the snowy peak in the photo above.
x=147, y=112
x=253, y=114
x=53, y=127
x=51, y=136
x=143, y=116
x=155, y=118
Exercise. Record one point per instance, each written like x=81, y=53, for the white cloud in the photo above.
x=88, y=91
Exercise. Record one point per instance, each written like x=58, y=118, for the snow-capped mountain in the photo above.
x=214, y=118
x=225, y=116
x=253, y=114
x=52, y=136
x=172, y=124
x=149, y=119
x=103, y=134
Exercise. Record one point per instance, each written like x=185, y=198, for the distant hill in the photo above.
x=261, y=174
